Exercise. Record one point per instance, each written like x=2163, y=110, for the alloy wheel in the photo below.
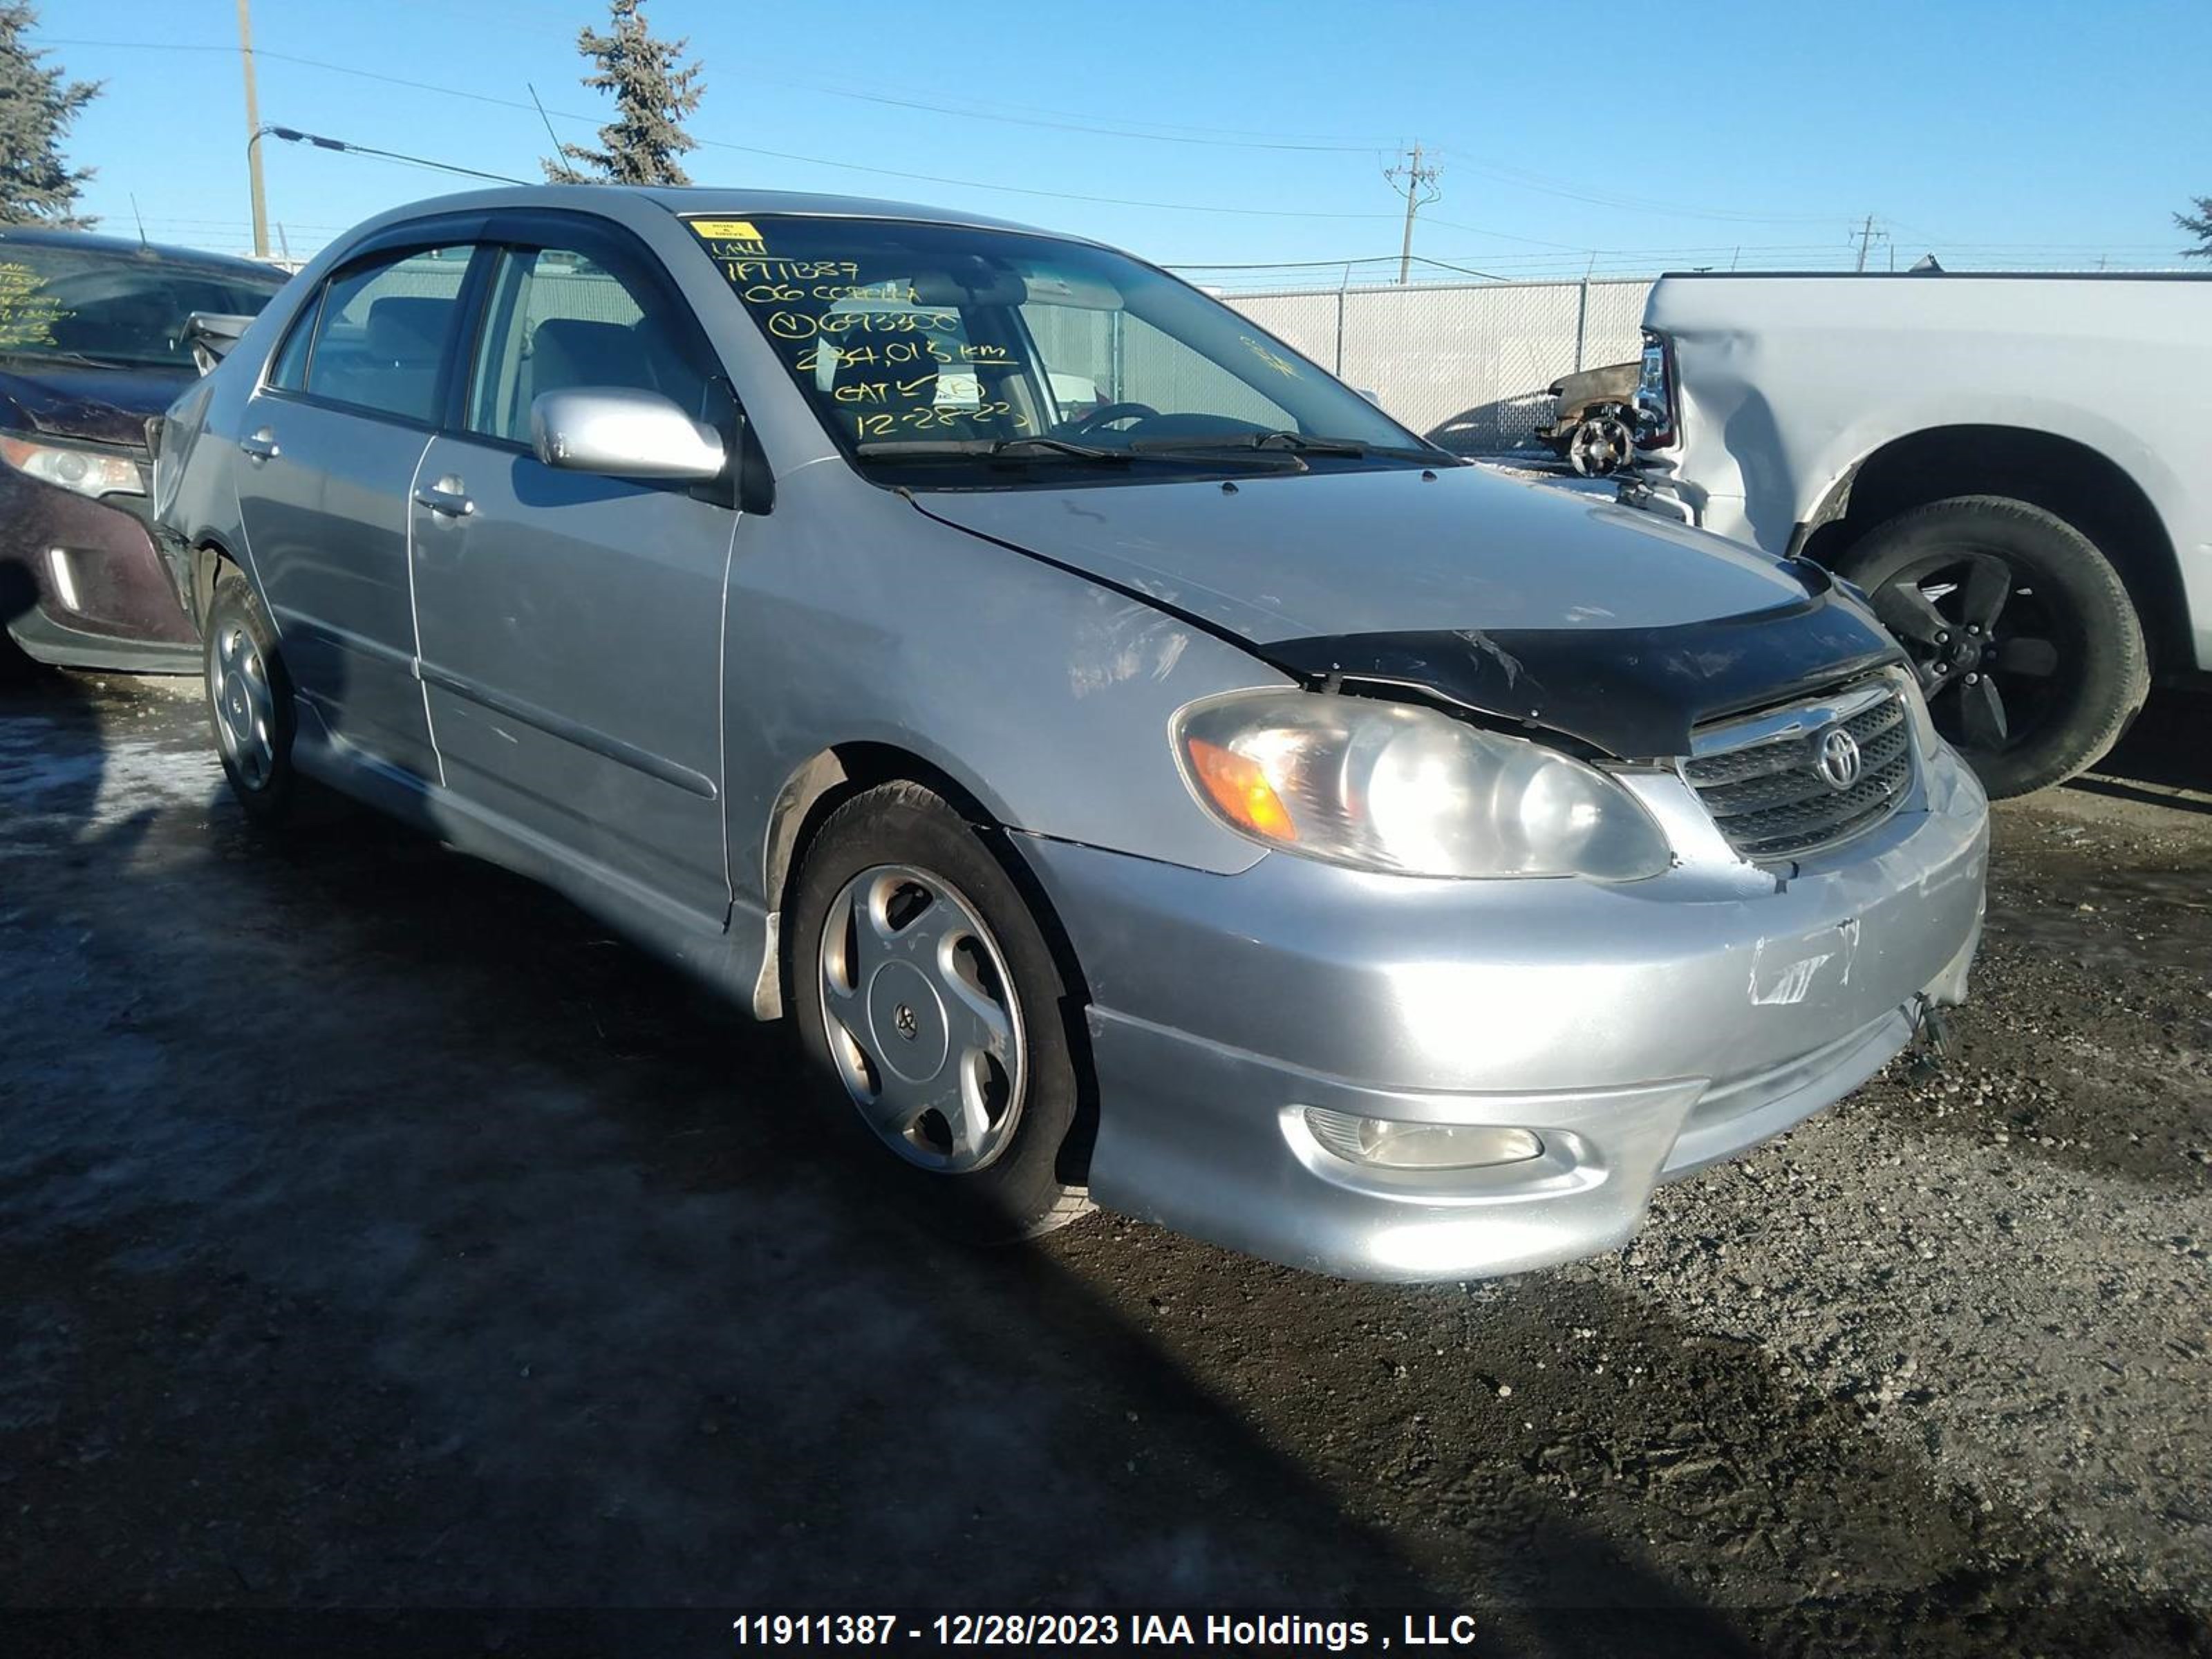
x=1985, y=647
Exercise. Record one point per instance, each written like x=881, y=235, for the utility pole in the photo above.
x=1866, y=230
x=1419, y=187
x=253, y=127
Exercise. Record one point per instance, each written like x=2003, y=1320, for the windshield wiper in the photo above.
x=1296, y=443
x=899, y=449
x=1050, y=449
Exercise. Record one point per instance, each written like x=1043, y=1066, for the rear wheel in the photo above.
x=929, y=1008
x=2022, y=634
x=249, y=698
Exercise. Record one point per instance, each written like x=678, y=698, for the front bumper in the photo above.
x=81, y=586
x=1642, y=1031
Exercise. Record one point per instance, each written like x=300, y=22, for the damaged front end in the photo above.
x=1629, y=694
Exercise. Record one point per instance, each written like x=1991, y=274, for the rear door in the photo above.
x=570, y=624
x=332, y=439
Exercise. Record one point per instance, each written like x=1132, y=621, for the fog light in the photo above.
x=57, y=561
x=1393, y=1146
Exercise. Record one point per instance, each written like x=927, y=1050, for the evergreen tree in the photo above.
x=654, y=89
x=2199, y=225
x=37, y=188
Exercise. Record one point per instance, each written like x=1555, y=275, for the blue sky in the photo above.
x=2031, y=132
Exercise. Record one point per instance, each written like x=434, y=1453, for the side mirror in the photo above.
x=624, y=433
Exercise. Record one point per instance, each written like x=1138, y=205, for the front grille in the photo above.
x=1761, y=778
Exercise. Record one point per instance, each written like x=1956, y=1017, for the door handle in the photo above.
x=448, y=498
x=260, y=446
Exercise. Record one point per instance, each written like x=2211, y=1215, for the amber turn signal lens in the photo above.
x=1240, y=788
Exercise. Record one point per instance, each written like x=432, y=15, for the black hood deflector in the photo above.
x=1632, y=693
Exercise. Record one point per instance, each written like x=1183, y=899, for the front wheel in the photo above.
x=930, y=1009
x=249, y=698
x=2022, y=634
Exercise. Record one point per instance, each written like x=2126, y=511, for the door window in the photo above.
x=560, y=320
x=382, y=331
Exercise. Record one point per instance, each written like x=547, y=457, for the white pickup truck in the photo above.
x=2017, y=468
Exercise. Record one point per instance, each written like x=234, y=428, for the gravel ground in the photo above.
x=376, y=1232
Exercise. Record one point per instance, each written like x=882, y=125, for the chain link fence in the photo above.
x=1466, y=364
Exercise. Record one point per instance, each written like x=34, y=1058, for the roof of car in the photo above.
x=131, y=246
x=624, y=200
x=709, y=198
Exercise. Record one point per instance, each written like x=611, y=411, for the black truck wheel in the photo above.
x=2022, y=634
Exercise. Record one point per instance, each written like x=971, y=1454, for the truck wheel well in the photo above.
x=2087, y=488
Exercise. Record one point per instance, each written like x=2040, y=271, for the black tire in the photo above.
x=2022, y=633
x=235, y=616
x=1025, y=1190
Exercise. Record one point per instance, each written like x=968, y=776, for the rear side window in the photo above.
x=560, y=320
x=382, y=333
x=289, y=372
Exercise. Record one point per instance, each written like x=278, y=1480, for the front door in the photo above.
x=571, y=625
x=332, y=441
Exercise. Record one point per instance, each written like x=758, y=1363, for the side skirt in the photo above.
x=724, y=953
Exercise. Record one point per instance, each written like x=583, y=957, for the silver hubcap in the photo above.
x=245, y=719
x=922, y=1019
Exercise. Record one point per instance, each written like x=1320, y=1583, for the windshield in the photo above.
x=124, y=308
x=957, y=356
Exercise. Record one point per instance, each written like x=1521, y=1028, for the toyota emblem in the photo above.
x=1837, y=757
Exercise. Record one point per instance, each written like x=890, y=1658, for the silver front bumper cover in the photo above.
x=1642, y=1031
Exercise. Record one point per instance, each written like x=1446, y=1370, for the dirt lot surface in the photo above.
x=376, y=1232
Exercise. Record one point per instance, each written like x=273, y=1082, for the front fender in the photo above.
x=855, y=618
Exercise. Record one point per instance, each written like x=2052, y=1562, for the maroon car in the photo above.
x=93, y=343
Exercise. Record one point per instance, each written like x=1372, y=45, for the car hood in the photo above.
x=1287, y=557
x=96, y=405
x=1523, y=602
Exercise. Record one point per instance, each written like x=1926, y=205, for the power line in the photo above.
x=777, y=154
x=1337, y=264
x=1547, y=186
x=1066, y=121
x=1081, y=126
x=1519, y=177
x=293, y=135
x=1022, y=189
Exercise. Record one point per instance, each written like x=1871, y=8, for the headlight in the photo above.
x=1393, y=787
x=88, y=472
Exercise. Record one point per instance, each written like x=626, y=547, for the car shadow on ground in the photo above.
x=2165, y=759
x=375, y=1231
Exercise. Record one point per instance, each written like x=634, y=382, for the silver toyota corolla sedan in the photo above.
x=1141, y=769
